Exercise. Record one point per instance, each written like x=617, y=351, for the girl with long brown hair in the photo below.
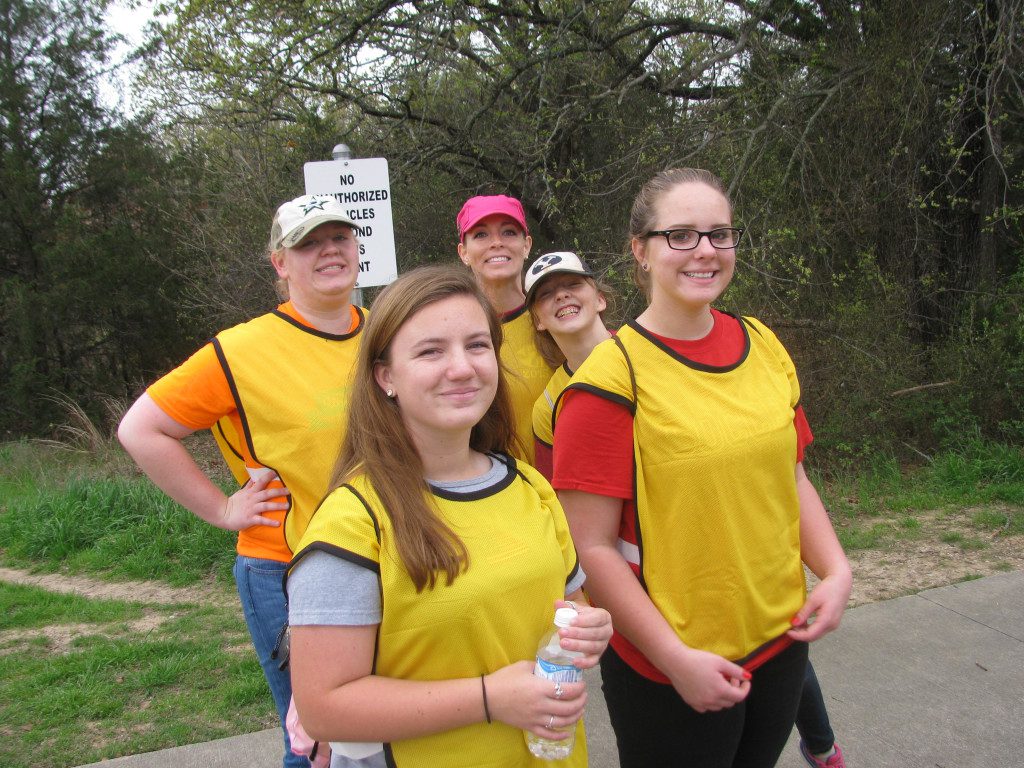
x=424, y=580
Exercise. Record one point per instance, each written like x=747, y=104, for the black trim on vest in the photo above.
x=333, y=549
x=245, y=425
x=638, y=530
x=380, y=584
x=512, y=314
x=618, y=399
x=361, y=319
x=748, y=322
x=643, y=332
x=228, y=442
x=554, y=408
x=484, y=493
x=344, y=554
x=636, y=506
x=367, y=507
x=234, y=395
x=629, y=366
x=575, y=566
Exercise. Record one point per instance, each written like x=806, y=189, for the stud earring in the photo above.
x=645, y=266
x=390, y=393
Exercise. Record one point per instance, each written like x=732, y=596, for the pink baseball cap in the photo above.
x=478, y=208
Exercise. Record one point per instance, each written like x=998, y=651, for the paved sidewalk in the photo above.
x=933, y=680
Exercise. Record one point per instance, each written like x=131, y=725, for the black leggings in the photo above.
x=655, y=727
x=812, y=717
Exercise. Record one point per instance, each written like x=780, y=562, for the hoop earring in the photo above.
x=390, y=392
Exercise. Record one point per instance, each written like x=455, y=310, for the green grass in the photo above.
x=976, y=474
x=25, y=607
x=123, y=527
x=193, y=678
x=113, y=689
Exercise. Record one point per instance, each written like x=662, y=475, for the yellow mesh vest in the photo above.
x=291, y=385
x=527, y=373
x=543, y=408
x=718, y=518
x=520, y=559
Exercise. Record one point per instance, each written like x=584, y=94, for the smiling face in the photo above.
x=442, y=368
x=494, y=249
x=322, y=268
x=689, y=280
x=566, y=303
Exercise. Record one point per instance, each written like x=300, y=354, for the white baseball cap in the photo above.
x=553, y=263
x=297, y=218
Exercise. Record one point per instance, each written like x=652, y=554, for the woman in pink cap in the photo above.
x=274, y=392
x=494, y=242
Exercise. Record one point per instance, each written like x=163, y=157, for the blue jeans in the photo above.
x=263, y=603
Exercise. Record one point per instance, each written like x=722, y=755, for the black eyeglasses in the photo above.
x=688, y=239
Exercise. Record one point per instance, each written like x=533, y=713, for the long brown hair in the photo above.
x=641, y=218
x=378, y=445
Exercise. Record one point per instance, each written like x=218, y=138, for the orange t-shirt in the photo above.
x=197, y=395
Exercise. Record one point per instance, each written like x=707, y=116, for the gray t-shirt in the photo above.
x=324, y=590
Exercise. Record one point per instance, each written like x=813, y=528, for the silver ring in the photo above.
x=551, y=722
x=558, y=690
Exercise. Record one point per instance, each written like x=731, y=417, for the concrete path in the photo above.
x=933, y=680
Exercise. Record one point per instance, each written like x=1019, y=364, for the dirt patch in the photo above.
x=944, y=548
x=60, y=637
x=127, y=591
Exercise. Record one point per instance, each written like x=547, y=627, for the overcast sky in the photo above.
x=129, y=22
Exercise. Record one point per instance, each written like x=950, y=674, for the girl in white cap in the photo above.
x=274, y=392
x=567, y=307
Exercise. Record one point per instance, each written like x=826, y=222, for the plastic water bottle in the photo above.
x=555, y=663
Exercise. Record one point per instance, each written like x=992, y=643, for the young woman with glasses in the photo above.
x=677, y=457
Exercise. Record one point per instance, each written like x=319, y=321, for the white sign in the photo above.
x=364, y=188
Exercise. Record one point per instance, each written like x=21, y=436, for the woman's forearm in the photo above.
x=153, y=440
x=338, y=698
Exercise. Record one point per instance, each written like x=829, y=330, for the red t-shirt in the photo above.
x=605, y=428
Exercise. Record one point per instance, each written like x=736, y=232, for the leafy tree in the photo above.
x=873, y=148
x=83, y=311
x=532, y=98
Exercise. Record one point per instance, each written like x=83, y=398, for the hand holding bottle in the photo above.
x=588, y=634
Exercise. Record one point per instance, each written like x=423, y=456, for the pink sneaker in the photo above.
x=835, y=761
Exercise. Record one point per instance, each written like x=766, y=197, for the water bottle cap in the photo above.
x=564, y=616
